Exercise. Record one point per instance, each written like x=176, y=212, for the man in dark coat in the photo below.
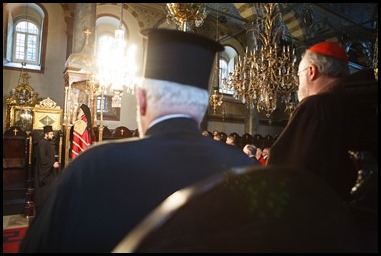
x=325, y=124
x=108, y=189
x=46, y=167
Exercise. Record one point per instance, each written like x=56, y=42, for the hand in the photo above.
x=56, y=165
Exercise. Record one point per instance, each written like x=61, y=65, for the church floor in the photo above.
x=15, y=221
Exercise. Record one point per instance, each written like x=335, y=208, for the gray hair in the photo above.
x=251, y=148
x=167, y=97
x=327, y=65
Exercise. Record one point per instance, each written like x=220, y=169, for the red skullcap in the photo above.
x=330, y=49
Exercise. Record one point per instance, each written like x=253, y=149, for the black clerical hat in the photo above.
x=178, y=56
x=48, y=128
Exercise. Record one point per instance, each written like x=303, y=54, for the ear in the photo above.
x=142, y=101
x=314, y=72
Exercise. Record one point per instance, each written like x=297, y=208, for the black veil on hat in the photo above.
x=48, y=128
x=86, y=111
x=178, y=56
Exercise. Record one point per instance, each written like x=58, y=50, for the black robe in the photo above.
x=45, y=175
x=110, y=188
x=323, y=128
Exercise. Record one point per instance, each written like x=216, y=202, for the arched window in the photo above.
x=115, y=58
x=105, y=40
x=223, y=73
x=24, y=36
x=106, y=47
x=26, y=42
x=227, y=61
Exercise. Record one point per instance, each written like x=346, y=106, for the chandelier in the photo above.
x=116, y=65
x=23, y=94
x=375, y=58
x=216, y=98
x=267, y=72
x=184, y=15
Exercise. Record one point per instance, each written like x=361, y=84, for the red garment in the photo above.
x=81, y=137
x=262, y=161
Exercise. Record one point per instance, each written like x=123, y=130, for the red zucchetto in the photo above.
x=330, y=49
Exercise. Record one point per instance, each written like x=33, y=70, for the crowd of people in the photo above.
x=109, y=188
x=257, y=152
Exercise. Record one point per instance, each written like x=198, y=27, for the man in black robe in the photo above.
x=46, y=167
x=326, y=123
x=108, y=189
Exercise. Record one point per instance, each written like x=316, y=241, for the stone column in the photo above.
x=69, y=18
x=78, y=66
x=84, y=19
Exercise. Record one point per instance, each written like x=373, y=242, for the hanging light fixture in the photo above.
x=116, y=65
x=23, y=94
x=375, y=57
x=266, y=73
x=185, y=15
x=216, y=99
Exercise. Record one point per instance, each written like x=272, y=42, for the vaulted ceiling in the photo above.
x=355, y=25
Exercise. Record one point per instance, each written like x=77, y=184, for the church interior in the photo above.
x=58, y=56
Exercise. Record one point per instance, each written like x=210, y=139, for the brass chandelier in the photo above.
x=375, y=58
x=185, y=15
x=267, y=72
x=216, y=99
